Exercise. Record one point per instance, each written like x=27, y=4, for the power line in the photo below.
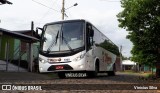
x=111, y=0
x=41, y=19
x=46, y=6
x=55, y=4
x=58, y=4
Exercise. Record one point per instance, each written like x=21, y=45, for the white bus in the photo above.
x=75, y=48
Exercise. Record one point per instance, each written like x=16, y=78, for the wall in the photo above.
x=0, y=45
x=16, y=48
x=4, y=40
x=118, y=64
x=148, y=69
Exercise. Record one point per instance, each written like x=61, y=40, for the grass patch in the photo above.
x=129, y=72
x=148, y=76
x=144, y=74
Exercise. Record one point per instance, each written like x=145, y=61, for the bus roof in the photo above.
x=64, y=21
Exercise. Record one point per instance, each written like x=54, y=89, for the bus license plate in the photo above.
x=59, y=67
x=75, y=74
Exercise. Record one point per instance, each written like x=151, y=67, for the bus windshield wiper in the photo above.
x=53, y=43
x=63, y=38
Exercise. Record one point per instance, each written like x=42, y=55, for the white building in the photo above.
x=128, y=65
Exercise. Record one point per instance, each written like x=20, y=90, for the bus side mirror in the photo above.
x=39, y=32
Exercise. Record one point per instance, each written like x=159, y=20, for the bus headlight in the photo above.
x=81, y=66
x=41, y=69
x=42, y=60
x=79, y=57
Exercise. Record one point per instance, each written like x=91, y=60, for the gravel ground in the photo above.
x=93, y=83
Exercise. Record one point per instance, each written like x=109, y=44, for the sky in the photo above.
x=101, y=13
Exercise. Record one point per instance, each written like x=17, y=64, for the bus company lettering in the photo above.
x=54, y=60
x=107, y=58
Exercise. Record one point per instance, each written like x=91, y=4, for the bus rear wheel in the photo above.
x=112, y=73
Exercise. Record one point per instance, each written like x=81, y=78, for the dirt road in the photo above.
x=122, y=82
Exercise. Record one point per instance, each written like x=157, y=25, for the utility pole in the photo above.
x=121, y=59
x=63, y=9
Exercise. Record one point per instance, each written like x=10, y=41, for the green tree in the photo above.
x=142, y=19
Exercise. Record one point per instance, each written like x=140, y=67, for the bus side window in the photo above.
x=90, y=34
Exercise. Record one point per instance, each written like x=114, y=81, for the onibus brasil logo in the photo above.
x=20, y=87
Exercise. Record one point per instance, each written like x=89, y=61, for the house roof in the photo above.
x=22, y=31
x=128, y=62
x=20, y=36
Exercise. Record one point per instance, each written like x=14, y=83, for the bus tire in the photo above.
x=61, y=75
x=94, y=73
x=112, y=73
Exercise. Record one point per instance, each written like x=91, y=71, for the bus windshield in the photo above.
x=63, y=37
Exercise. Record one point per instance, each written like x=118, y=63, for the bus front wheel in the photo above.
x=94, y=73
x=61, y=75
